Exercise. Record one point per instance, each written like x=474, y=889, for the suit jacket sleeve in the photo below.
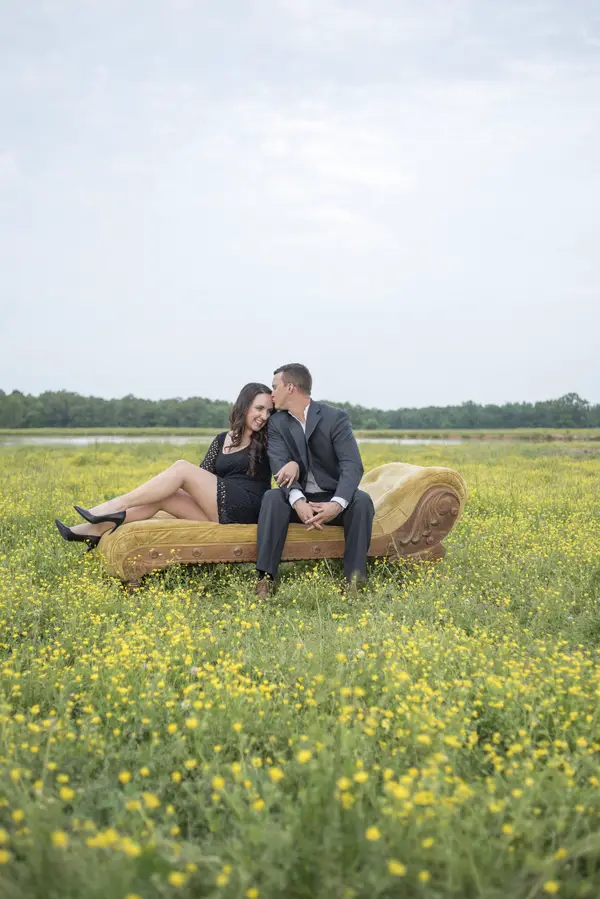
x=279, y=455
x=348, y=456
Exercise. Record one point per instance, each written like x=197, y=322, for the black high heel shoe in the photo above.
x=67, y=534
x=117, y=518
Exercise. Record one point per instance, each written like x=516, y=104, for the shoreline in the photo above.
x=504, y=434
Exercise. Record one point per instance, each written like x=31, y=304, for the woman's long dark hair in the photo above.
x=237, y=420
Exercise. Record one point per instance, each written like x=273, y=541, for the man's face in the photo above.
x=281, y=391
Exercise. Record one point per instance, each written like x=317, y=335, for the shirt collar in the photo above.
x=303, y=423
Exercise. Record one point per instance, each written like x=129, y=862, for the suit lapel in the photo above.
x=299, y=439
x=312, y=419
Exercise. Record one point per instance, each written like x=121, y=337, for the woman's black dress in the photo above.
x=238, y=494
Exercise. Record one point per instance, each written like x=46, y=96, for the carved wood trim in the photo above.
x=420, y=536
x=431, y=521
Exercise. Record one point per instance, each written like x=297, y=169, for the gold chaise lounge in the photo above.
x=415, y=508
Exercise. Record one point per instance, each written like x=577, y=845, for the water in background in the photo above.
x=93, y=439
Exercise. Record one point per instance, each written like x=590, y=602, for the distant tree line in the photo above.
x=61, y=409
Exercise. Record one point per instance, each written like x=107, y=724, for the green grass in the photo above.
x=438, y=737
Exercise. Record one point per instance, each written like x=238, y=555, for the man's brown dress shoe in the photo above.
x=265, y=588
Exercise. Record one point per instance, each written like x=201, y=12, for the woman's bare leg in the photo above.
x=201, y=485
x=179, y=504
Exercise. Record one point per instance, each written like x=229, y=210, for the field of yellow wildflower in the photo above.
x=438, y=737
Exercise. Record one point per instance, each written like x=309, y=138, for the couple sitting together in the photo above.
x=311, y=451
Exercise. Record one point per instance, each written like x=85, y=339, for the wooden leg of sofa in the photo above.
x=434, y=554
x=131, y=585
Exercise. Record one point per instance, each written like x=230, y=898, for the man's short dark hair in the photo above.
x=297, y=374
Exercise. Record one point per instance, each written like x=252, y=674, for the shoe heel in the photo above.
x=117, y=518
x=67, y=534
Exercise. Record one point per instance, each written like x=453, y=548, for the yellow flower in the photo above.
x=428, y=843
x=130, y=848
x=176, y=777
x=361, y=777
x=222, y=880
x=3, y=836
x=551, y=886
x=59, y=838
x=397, y=869
x=125, y=777
x=344, y=783
x=424, y=876
x=218, y=783
x=191, y=723
x=258, y=805
x=177, y=878
x=151, y=800
x=373, y=833
x=237, y=726
x=304, y=756
x=276, y=774
x=423, y=797
x=144, y=771
x=172, y=728
x=399, y=792
x=252, y=893
x=66, y=794
x=4, y=856
x=18, y=815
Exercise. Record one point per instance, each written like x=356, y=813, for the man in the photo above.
x=319, y=438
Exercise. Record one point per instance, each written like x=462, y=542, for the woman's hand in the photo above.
x=288, y=474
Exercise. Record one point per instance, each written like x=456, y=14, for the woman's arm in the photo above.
x=209, y=461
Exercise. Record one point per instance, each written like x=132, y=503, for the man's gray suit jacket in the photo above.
x=328, y=448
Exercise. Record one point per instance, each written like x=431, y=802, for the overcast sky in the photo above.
x=403, y=194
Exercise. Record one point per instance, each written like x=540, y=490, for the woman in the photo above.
x=227, y=487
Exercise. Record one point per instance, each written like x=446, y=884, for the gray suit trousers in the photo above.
x=276, y=514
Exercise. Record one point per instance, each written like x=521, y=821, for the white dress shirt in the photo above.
x=311, y=481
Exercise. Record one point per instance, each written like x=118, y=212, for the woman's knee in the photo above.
x=183, y=466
